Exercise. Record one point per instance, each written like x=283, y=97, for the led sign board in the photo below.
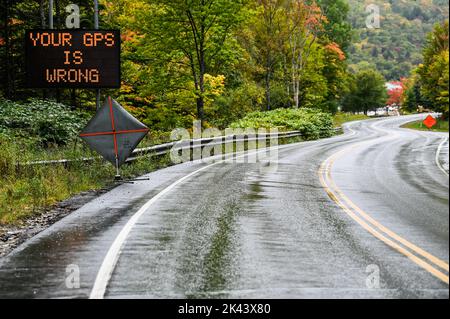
x=73, y=58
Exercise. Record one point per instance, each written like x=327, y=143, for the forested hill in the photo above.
x=396, y=47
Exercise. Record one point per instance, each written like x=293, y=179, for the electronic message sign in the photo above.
x=73, y=58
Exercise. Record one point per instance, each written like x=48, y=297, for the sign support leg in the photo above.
x=118, y=177
x=96, y=27
x=50, y=14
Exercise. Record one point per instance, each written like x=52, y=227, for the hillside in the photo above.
x=396, y=47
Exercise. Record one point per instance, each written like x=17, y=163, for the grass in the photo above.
x=26, y=190
x=341, y=118
x=441, y=126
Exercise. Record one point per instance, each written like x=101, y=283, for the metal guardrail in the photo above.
x=163, y=149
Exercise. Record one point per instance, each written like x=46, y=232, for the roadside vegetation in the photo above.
x=313, y=124
x=43, y=130
x=26, y=190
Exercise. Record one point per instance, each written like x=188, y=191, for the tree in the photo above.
x=336, y=73
x=367, y=92
x=338, y=28
x=395, y=94
x=412, y=97
x=434, y=72
x=395, y=48
x=265, y=39
x=194, y=31
x=304, y=23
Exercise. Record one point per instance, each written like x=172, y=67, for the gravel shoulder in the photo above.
x=11, y=236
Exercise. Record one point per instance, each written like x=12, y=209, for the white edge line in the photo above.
x=110, y=261
x=438, y=153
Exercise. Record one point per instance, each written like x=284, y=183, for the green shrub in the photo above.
x=313, y=124
x=44, y=121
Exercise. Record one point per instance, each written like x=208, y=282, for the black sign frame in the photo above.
x=32, y=67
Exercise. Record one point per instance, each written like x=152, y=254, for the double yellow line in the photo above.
x=427, y=261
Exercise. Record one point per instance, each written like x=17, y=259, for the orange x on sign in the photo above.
x=430, y=121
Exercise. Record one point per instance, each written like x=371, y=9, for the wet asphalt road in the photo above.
x=240, y=230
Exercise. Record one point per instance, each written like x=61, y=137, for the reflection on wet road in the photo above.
x=238, y=231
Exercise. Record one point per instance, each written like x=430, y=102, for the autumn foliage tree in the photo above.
x=193, y=32
x=395, y=94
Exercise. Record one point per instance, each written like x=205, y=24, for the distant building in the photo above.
x=394, y=85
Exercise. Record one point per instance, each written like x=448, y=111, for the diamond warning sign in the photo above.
x=430, y=121
x=113, y=132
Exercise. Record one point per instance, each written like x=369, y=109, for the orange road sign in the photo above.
x=430, y=121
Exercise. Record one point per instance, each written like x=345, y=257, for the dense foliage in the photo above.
x=312, y=123
x=395, y=48
x=46, y=122
x=434, y=72
x=367, y=92
x=220, y=60
x=428, y=85
x=216, y=61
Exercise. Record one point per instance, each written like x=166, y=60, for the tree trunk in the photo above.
x=200, y=109
x=42, y=13
x=200, y=98
x=73, y=98
x=296, y=91
x=287, y=82
x=268, y=78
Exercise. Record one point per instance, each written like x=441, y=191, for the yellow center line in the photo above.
x=442, y=264
x=364, y=220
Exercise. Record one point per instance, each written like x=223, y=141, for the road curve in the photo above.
x=362, y=215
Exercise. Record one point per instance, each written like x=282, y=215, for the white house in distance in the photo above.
x=393, y=86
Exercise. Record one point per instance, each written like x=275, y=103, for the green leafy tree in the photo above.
x=367, y=92
x=338, y=29
x=194, y=34
x=264, y=40
x=434, y=72
x=413, y=98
